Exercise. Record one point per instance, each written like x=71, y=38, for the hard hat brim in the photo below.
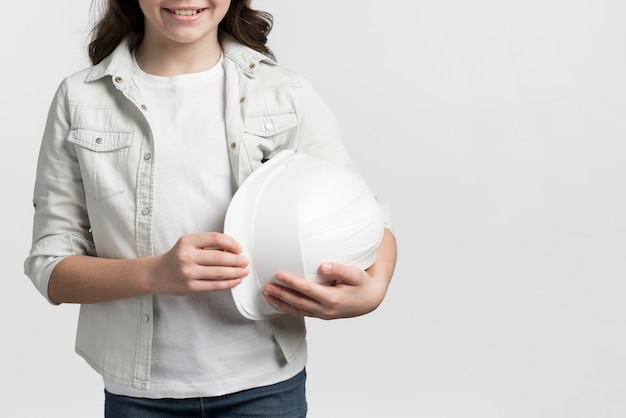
x=249, y=295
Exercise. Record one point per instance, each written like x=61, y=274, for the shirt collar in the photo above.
x=119, y=62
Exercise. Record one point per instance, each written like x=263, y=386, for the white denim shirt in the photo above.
x=95, y=179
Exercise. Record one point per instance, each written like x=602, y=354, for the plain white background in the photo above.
x=495, y=130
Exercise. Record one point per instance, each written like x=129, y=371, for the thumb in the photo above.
x=341, y=273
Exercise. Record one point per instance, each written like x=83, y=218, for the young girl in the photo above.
x=140, y=157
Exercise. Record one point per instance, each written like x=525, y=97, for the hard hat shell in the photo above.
x=294, y=213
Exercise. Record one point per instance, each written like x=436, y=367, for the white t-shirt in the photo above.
x=202, y=345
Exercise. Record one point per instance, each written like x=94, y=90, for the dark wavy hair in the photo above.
x=124, y=18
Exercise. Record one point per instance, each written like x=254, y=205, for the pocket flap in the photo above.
x=270, y=124
x=100, y=141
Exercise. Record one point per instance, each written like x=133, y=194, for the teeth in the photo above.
x=186, y=12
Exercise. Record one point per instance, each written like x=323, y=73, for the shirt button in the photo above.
x=251, y=66
x=233, y=145
x=146, y=318
x=242, y=99
x=145, y=211
x=268, y=126
x=98, y=140
x=144, y=107
x=119, y=80
x=147, y=156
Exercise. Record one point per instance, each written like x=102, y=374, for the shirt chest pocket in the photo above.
x=102, y=156
x=267, y=134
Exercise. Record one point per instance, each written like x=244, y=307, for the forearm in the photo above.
x=84, y=279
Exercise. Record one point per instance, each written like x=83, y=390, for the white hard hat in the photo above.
x=294, y=213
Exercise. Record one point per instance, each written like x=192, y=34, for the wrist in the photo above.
x=146, y=273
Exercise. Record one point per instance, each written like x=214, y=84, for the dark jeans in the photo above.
x=285, y=399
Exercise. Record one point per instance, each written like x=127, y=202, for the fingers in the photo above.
x=290, y=302
x=342, y=273
x=212, y=240
x=219, y=258
x=302, y=297
x=198, y=263
x=351, y=295
x=213, y=285
x=211, y=249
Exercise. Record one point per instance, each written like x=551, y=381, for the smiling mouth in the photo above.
x=186, y=12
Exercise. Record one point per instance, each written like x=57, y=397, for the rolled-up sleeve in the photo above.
x=60, y=222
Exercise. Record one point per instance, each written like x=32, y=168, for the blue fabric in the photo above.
x=284, y=399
